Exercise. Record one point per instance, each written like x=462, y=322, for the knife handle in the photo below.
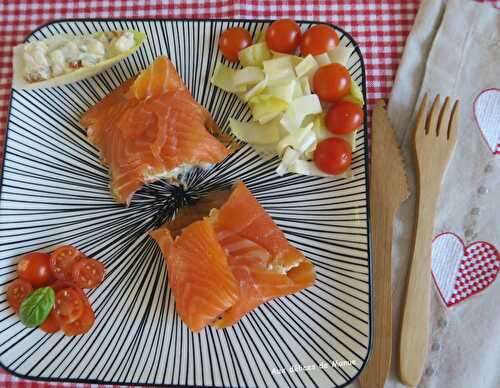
x=377, y=368
x=416, y=316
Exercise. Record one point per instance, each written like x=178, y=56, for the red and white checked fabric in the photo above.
x=478, y=269
x=379, y=27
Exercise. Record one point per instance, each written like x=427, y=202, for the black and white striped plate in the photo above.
x=55, y=191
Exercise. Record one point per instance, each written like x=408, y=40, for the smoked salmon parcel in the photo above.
x=229, y=263
x=150, y=128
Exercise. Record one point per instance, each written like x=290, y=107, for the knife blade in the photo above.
x=388, y=189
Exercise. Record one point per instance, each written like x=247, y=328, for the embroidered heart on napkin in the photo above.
x=487, y=115
x=461, y=271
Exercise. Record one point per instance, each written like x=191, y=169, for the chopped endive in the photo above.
x=294, y=139
x=298, y=109
x=279, y=70
x=261, y=36
x=255, y=133
x=223, y=78
x=320, y=128
x=291, y=155
x=355, y=94
x=305, y=167
x=266, y=107
x=277, y=64
x=257, y=89
x=306, y=67
x=249, y=75
x=340, y=54
x=294, y=59
x=285, y=92
x=255, y=54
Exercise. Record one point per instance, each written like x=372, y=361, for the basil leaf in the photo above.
x=36, y=307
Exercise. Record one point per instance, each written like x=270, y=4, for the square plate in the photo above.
x=55, y=191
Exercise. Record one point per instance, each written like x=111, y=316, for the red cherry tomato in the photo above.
x=62, y=260
x=82, y=324
x=88, y=273
x=332, y=82
x=344, y=117
x=17, y=291
x=35, y=269
x=232, y=41
x=51, y=324
x=283, y=36
x=333, y=155
x=69, y=305
x=318, y=39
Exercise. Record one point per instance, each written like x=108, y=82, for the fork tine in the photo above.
x=444, y=117
x=454, y=119
x=421, y=115
x=432, y=117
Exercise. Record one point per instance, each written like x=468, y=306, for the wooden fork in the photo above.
x=435, y=137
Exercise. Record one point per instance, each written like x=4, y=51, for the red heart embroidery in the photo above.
x=487, y=116
x=461, y=271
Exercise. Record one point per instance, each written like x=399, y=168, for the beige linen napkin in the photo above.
x=454, y=49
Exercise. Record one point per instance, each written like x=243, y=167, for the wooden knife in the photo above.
x=388, y=189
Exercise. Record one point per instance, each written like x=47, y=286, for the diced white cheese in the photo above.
x=323, y=59
x=340, y=55
x=306, y=67
x=305, y=86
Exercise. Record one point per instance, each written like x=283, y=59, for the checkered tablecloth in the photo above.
x=380, y=28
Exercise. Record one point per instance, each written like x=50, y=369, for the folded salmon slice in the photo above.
x=263, y=263
x=198, y=274
x=262, y=260
x=150, y=128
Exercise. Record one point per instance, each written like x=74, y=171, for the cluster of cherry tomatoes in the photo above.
x=332, y=83
x=67, y=271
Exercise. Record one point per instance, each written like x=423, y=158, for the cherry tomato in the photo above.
x=69, y=305
x=17, y=291
x=318, y=39
x=51, y=324
x=232, y=41
x=283, y=36
x=333, y=155
x=35, y=269
x=62, y=260
x=88, y=273
x=82, y=324
x=332, y=82
x=344, y=117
